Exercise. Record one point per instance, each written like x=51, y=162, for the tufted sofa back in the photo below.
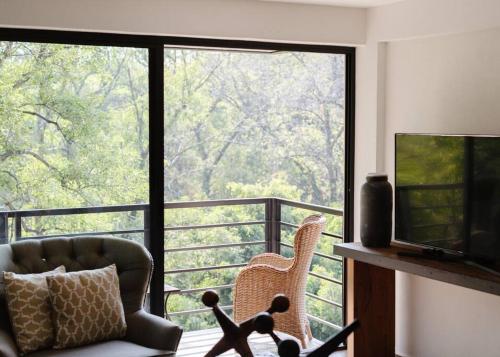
x=133, y=263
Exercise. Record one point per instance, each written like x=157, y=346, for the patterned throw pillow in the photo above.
x=30, y=310
x=87, y=307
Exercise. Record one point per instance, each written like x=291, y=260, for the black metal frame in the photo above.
x=350, y=114
x=156, y=176
x=155, y=46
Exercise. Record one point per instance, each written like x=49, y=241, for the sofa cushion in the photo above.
x=87, y=307
x=30, y=309
x=108, y=349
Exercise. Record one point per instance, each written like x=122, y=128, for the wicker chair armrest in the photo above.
x=273, y=260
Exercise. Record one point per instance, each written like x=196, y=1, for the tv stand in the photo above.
x=371, y=289
x=432, y=253
x=442, y=256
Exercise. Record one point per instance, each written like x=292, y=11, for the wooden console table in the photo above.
x=371, y=290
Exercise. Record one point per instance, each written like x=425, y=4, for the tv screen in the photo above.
x=447, y=193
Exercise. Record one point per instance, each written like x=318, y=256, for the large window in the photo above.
x=244, y=141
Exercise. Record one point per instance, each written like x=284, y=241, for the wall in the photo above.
x=446, y=84
x=431, y=66
x=234, y=19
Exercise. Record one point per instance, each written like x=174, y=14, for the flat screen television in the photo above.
x=447, y=194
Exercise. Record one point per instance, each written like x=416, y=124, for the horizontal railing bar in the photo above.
x=289, y=224
x=331, y=257
x=82, y=234
x=311, y=207
x=333, y=235
x=214, y=246
x=168, y=205
x=75, y=210
x=331, y=280
x=321, y=321
x=197, y=311
x=326, y=256
x=131, y=207
x=215, y=225
x=214, y=203
x=187, y=270
x=196, y=290
x=323, y=300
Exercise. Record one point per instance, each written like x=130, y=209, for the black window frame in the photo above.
x=154, y=236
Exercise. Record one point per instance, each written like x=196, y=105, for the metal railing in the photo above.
x=11, y=228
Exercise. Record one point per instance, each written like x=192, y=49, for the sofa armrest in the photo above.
x=152, y=331
x=7, y=345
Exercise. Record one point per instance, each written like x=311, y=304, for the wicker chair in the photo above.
x=269, y=274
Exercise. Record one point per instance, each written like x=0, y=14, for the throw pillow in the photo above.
x=87, y=307
x=29, y=307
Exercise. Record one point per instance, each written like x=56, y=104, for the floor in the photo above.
x=197, y=343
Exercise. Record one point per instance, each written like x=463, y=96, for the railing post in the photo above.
x=268, y=230
x=18, y=226
x=4, y=228
x=273, y=225
x=276, y=227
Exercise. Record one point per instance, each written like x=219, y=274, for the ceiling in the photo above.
x=349, y=3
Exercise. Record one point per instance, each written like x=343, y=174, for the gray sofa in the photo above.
x=147, y=335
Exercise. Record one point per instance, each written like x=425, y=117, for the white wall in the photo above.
x=431, y=66
x=448, y=84
x=427, y=18
x=232, y=19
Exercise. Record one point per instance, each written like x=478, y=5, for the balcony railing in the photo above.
x=272, y=219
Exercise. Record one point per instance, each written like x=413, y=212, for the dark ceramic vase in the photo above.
x=376, y=211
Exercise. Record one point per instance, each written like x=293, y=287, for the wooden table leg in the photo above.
x=371, y=299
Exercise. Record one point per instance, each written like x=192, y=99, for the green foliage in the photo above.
x=430, y=160
x=74, y=132
x=69, y=135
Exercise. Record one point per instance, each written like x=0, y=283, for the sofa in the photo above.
x=147, y=334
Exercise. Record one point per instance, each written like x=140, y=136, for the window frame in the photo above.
x=156, y=46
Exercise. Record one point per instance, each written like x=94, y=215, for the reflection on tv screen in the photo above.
x=448, y=193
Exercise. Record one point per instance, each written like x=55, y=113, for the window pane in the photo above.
x=247, y=125
x=73, y=133
x=254, y=124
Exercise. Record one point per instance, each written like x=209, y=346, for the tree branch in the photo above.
x=49, y=121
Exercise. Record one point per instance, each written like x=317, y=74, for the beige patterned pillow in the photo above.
x=30, y=310
x=87, y=307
